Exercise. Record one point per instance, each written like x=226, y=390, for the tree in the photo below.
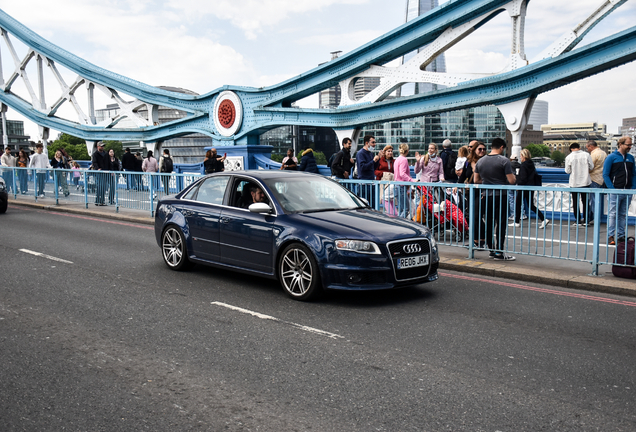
x=557, y=157
x=75, y=147
x=538, y=150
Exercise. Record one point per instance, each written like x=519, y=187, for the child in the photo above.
x=76, y=174
x=462, y=155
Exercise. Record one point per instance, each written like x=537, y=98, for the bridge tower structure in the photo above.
x=236, y=116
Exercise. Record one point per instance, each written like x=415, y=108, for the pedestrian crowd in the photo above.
x=471, y=164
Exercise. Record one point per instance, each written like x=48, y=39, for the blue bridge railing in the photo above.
x=459, y=215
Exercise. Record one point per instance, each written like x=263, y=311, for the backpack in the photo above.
x=625, y=255
x=449, y=168
x=331, y=158
x=167, y=165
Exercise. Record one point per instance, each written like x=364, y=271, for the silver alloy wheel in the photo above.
x=296, y=272
x=173, y=248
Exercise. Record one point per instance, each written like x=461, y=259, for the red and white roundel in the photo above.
x=228, y=113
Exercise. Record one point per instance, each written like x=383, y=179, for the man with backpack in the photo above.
x=166, y=166
x=342, y=161
x=449, y=158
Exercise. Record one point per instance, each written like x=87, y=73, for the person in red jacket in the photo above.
x=385, y=164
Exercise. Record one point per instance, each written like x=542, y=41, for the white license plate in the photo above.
x=416, y=261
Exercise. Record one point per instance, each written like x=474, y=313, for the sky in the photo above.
x=201, y=46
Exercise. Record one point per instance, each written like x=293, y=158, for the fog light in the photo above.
x=354, y=278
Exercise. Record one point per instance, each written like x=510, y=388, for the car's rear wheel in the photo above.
x=173, y=249
x=298, y=272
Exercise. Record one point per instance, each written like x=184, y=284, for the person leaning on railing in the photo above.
x=495, y=169
x=619, y=172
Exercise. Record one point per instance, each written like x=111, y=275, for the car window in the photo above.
x=301, y=195
x=212, y=190
x=242, y=196
x=191, y=194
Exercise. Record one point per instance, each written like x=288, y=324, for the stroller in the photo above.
x=442, y=219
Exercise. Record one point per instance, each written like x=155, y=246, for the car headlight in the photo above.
x=433, y=242
x=359, y=246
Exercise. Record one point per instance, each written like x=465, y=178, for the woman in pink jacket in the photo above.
x=402, y=173
x=430, y=166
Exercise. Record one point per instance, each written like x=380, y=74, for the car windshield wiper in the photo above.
x=325, y=210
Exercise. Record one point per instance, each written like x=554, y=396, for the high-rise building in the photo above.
x=15, y=135
x=461, y=126
x=538, y=115
x=330, y=98
x=415, y=8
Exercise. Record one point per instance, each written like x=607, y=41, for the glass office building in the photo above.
x=15, y=135
x=461, y=127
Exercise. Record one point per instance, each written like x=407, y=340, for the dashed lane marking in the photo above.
x=41, y=255
x=271, y=318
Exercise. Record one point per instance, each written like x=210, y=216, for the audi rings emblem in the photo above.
x=412, y=248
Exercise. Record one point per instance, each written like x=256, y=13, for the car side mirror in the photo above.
x=259, y=208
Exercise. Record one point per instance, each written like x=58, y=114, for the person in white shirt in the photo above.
x=8, y=161
x=579, y=164
x=40, y=160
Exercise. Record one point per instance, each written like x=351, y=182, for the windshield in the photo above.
x=312, y=194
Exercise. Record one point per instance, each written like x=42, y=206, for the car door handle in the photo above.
x=224, y=220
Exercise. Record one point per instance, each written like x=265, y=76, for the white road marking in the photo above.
x=52, y=258
x=267, y=317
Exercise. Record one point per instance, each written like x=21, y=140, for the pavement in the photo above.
x=527, y=268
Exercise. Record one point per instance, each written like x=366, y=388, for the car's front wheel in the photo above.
x=298, y=272
x=173, y=249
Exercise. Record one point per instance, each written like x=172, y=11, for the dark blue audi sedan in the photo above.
x=303, y=229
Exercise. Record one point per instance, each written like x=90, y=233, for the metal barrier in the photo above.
x=475, y=217
x=482, y=217
x=121, y=189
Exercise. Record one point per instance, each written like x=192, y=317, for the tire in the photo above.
x=298, y=273
x=4, y=203
x=173, y=249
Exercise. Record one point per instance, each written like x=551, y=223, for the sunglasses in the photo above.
x=481, y=149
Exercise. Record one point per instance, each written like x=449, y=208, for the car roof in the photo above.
x=268, y=174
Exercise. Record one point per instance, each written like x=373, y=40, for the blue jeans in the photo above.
x=23, y=175
x=403, y=199
x=8, y=179
x=590, y=208
x=512, y=206
x=617, y=215
x=41, y=181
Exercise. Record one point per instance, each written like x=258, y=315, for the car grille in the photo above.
x=397, y=250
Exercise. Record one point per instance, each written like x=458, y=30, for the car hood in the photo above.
x=363, y=224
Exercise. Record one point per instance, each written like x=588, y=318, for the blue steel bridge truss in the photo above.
x=238, y=115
